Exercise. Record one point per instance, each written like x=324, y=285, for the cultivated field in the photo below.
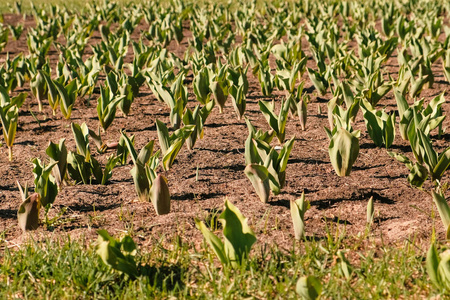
x=257, y=103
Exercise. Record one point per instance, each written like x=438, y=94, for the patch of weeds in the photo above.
x=95, y=220
x=69, y=269
x=127, y=218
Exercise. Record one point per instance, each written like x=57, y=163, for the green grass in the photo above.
x=68, y=269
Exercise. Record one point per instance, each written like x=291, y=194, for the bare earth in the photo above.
x=201, y=179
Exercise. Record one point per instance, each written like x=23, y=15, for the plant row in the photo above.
x=334, y=47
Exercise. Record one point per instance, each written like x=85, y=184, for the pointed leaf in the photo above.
x=258, y=176
x=160, y=196
x=213, y=241
x=238, y=236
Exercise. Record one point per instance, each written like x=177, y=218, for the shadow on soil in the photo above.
x=307, y=161
x=378, y=220
x=45, y=128
x=356, y=168
x=364, y=196
x=90, y=207
x=218, y=125
x=199, y=196
x=235, y=167
x=163, y=277
x=8, y=213
x=26, y=143
x=234, y=151
x=12, y=188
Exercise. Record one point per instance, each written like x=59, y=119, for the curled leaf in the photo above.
x=28, y=214
x=160, y=196
x=309, y=287
x=259, y=177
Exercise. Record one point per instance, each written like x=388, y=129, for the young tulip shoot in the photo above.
x=370, y=211
x=44, y=182
x=58, y=155
x=171, y=144
x=28, y=213
x=259, y=177
x=298, y=209
x=309, y=287
x=302, y=111
x=238, y=236
x=343, y=151
x=160, y=196
x=443, y=209
x=117, y=254
x=276, y=122
x=438, y=267
x=9, y=117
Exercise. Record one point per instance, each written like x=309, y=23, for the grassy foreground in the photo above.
x=68, y=270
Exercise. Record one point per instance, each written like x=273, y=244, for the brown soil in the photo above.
x=201, y=179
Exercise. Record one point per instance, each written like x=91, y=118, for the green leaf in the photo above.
x=444, y=269
x=309, y=287
x=267, y=108
x=78, y=169
x=343, y=151
x=81, y=134
x=189, y=119
x=389, y=131
x=96, y=170
x=417, y=176
x=163, y=136
x=23, y=191
x=220, y=94
x=163, y=94
x=213, y=241
x=277, y=123
x=44, y=183
x=28, y=213
x=160, y=196
x=428, y=154
x=171, y=153
x=111, y=254
x=285, y=152
x=298, y=209
x=370, y=211
x=239, y=102
x=443, y=208
x=38, y=88
x=259, y=177
x=141, y=182
x=238, y=236
x=122, y=148
x=400, y=157
x=145, y=154
x=9, y=115
x=53, y=96
x=19, y=100
x=373, y=125
x=251, y=152
x=68, y=95
x=302, y=112
x=109, y=166
x=442, y=165
x=201, y=86
x=58, y=154
x=432, y=264
x=318, y=80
